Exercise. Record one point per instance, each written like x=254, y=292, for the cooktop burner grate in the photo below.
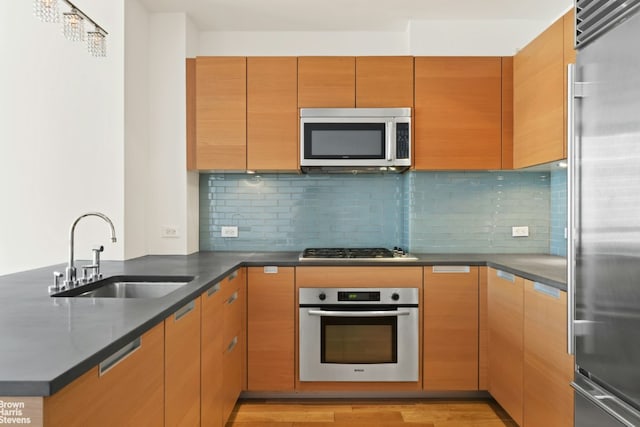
x=352, y=253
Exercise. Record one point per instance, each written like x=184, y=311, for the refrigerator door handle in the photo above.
x=571, y=208
x=612, y=405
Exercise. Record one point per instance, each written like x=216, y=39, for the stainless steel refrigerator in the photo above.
x=604, y=213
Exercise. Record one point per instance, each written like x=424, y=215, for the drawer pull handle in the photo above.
x=184, y=310
x=213, y=290
x=233, y=275
x=451, y=269
x=547, y=290
x=506, y=276
x=232, y=298
x=232, y=344
x=120, y=355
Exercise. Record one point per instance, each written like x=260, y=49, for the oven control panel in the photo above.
x=323, y=296
x=358, y=296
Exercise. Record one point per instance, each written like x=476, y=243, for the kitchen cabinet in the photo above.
x=272, y=113
x=505, y=300
x=458, y=113
x=182, y=366
x=540, y=95
x=221, y=113
x=270, y=328
x=450, y=305
x=548, y=368
x=212, y=348
x=384, y=81
x=326, y=81
x=234, y=339
x=128, y=391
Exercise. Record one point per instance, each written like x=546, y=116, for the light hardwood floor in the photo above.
x=366, y=413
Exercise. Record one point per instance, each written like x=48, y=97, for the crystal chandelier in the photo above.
x=73, y=25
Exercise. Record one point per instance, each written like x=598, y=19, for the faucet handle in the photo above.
x=94, y=275
x=56, y=287
x=98, y=248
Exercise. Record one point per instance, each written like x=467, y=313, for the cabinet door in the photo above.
x=458, y=113
x=128, y=391
x=506, y=304
x=272, y=113
x=270, y=328
x=182, y=366
x=538, y=135
x=384, y=81
x=548, y=369
x=211, y=358
x=450, y=328
x=221, y=113
x=326, y=81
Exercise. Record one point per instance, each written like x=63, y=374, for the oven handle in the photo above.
x=379, y=313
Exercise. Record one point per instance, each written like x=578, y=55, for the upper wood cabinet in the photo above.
x=450, y=355
x=271, y=328
x=272, y=113
x=458, y=113
x=326, y=81
x=384, y=81
x=221, y=113
x=540, y=95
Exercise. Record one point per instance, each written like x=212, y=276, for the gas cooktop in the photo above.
x=355, y=254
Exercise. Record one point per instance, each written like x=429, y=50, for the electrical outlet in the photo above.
x=521, y=231
x=169, y=231
x=229, y=231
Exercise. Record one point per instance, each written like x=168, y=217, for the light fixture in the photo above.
x=73, y=25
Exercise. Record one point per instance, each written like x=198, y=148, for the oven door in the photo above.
x=372, y=343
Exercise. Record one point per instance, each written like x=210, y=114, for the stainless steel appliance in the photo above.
x=355, y=139
x=355, y=254
x=604, y=218
x=361, y=334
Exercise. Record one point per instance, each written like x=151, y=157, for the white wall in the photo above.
x=61, y=136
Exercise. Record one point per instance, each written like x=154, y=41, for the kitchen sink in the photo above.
x=128, y=287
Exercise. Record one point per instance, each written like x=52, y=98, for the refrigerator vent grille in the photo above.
x=595, y=17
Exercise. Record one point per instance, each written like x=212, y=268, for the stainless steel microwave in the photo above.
x=355, y=139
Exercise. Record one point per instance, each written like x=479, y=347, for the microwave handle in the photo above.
x=390, y=140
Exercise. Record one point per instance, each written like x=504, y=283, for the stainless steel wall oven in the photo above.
x=362, y=334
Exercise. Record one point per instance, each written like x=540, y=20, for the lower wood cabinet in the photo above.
x=450, y=355
x=126, y=390
x=548, y=368
x=182, y=366
x=211, y=358
x=270, y=328
x=505, y=302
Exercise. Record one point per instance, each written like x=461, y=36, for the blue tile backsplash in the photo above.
x=558, y=212
x=426, y=212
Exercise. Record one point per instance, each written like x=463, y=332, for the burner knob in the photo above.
x=322, y=296
x=395, y=296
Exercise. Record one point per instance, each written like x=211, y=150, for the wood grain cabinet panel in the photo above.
x=569, y=54
x=221, y=113
x=450, y=355
x=182, y=366
x=505, y=301
x=384, y=81
x=270, y=329
x=458, y=113
x=548, y=368
x=130, y=393
x=326, y=81
x=212, y=348
x=272, y=113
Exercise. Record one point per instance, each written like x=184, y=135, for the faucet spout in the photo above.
x=70, y=272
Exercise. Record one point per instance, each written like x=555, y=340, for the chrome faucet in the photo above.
x=70, y=272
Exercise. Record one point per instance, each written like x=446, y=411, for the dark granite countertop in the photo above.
x=48, y=342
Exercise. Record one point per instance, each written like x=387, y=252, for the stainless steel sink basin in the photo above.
x=128, y=287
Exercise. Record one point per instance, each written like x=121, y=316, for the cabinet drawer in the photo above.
x=211, y=357
x=232, y=283
x=231, y=375
x=231, y=317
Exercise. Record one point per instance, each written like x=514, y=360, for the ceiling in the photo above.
x=349, y=15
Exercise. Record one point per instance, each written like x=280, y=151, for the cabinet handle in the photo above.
x=119, y=356
x=213, y=290
x=232, y=344
x=547, y=290
x=571, y=205
x=506, y=276
x=232, y=298
x=184, y=310
x=232, y=276
x=451, y=269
